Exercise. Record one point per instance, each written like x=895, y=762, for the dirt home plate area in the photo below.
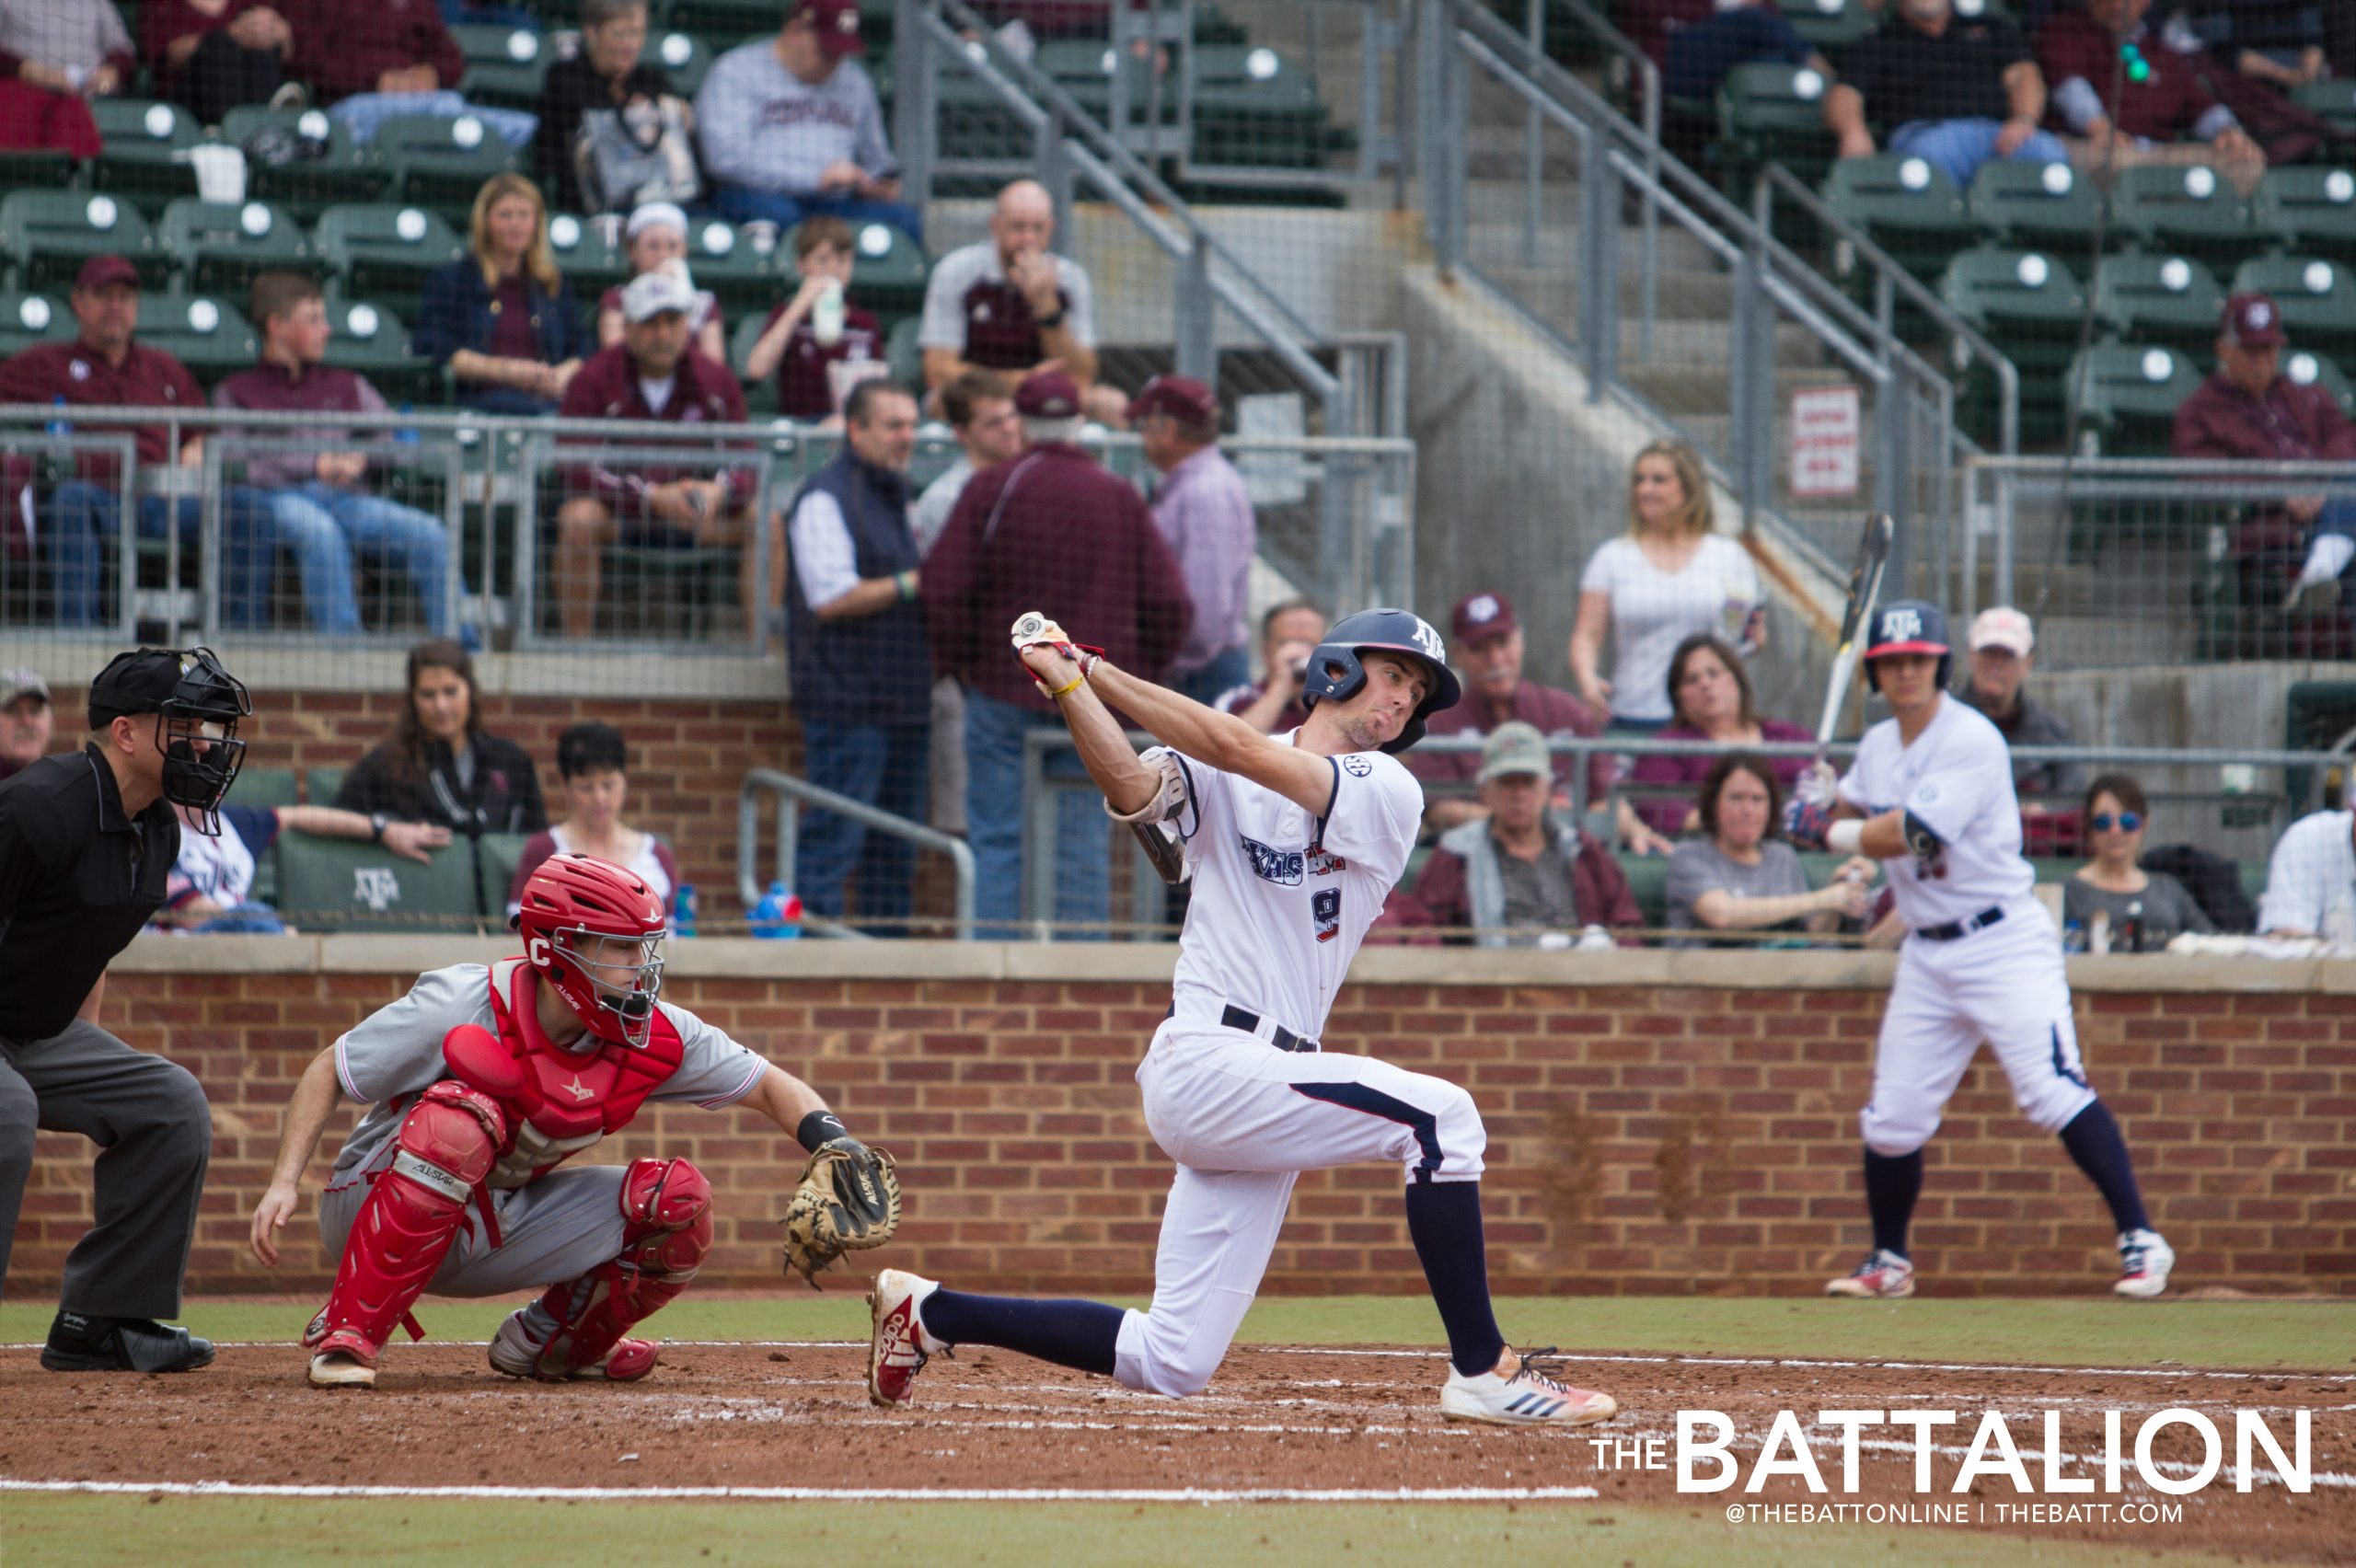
x=1307, y=1425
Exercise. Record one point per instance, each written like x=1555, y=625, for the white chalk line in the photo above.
x=830, y=1493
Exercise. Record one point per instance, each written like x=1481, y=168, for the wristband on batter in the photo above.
x=818, y=1128
x=1078, y=681
x=907, y=582
x=1845, y=837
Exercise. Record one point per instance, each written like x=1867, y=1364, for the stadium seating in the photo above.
x=2310, y=211
x=209, y=335
x=760, y=396
x=2036, y=206
x=47, y=234
x=2335, y=100
x=1770, y=113
x=2028, y=305
x=263, y=787
x=1831, y=25
x=371, y=340
x=684, y=57
x=441, y=161
x=30, y=319
x=2172, y=301
x=303, y=160
x=1905, y=206
x=343, y=884
x=218, y=246
x=2310, y=369
x=589, y=260
x=496, y=857
x=376, y=249
x=2189, y=211
x=2127, y=396
x=145, y=156
x=320, y=784
x=507, y=67
x=2318, y=299
x=722, y=258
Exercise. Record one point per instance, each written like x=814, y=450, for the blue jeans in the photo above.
x=82, y=514
x=742, y=203
x=2337, y=516
x=1958, y=147
x=1222, y=675
x=884, y=766
x=994, y=813
x=364, y=114
x=322, y=525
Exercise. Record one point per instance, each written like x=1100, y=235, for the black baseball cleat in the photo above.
x=80, y=1343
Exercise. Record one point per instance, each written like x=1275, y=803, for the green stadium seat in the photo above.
x=2309, y=369
x=721, y=258
x=888, y=273
x=1906, y=206
x=322, y=166
x=760, y=396
x=24, y=169
x=263, y=787
x=2127, y=396
x=684, y=57
x=506, y=66
x=30, y=319
x=371, y=340
x=584, y=256
x=903, y=352
x=2335, y=100
x=1770, y=113
x=146, y=154
x=1253, y=107
x=2188, y=212
x=2318, y=299
x=377, y=248
x=47, y=234
x=1831, y=25
x=205, y=332
x=441, y=161
x=496, y=857
x=2309, y=211
x=2028, y=305
x=320, y=784
x=2173, y=301
x=2035, y=206
x=343, y=885
x=220, y=246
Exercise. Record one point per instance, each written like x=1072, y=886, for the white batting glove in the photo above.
x=1033, y=630
x=1819, y=786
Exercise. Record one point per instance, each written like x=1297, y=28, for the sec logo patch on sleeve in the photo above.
x=1357, y=767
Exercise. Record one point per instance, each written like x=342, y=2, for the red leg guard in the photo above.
x=446, y=1144
x=667, y=1211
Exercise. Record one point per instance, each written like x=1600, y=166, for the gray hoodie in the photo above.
x=761, y=126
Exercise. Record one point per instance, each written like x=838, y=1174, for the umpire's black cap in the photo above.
x=159, y=680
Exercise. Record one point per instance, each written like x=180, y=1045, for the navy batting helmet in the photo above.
x=1908, y=625
x=1391, y=631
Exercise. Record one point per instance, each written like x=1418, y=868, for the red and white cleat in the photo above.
x=2144, y=1264
x=514, y=1353
x=899, y=1346
x=1884, y=1276
x=1529, y=1396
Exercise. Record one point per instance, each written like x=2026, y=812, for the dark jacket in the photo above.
x=456, y=314
x=864, y=669
x=703, y=392
x=505, y=797
x=1443, y=895
x=341, y=47
x=574, y=87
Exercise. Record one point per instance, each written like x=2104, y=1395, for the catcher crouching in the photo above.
x=480, y=1083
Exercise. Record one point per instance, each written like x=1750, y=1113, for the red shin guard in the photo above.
x=666, y=1230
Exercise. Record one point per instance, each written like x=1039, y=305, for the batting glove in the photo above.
x=1805, y=822
x=1033, y=630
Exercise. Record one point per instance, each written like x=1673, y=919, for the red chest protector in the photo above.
x=567, y=1099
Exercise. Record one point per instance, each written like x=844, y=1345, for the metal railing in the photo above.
x=791, y=795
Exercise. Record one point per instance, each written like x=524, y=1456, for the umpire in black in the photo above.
x=86, y=840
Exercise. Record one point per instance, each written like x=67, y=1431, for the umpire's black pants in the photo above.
x=155, y=1135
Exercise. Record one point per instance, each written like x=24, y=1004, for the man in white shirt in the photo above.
x=2311, y=880
x=1010, y=305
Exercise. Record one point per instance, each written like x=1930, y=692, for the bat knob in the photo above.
x=1031, y=625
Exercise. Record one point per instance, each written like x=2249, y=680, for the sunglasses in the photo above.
x=2125, y=822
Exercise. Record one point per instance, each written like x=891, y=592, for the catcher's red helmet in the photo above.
x=592, y=930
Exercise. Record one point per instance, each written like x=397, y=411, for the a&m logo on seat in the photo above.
x=378, y=887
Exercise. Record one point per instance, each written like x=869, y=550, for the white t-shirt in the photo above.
x=1653, y=611
x=1957, y=780
x=2313, y=870
x=1282, y=899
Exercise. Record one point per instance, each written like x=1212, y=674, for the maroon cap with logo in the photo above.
x=1480, y=617
x=1179, y=396
x=837, y=24
x=2252, y=322
x=1048, y=394
x=104, y=272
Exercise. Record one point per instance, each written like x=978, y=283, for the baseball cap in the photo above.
x=651, y=294
x=2002, y=626
x=103, y=272
x=1480, y=617
x=22, y=682
x=2252, y=322
x=138, y=681
x=653, y=214
x=837, y=24
x=1179, y=396
x=1515, y=749
x=1047, y=394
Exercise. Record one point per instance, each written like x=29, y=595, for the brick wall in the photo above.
x=1659, y=1123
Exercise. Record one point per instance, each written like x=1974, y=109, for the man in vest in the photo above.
x=862, y=667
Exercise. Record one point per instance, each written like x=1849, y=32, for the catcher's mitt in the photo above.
x=848, y=1200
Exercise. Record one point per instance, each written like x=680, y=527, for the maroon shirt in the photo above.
x=802, y=390
x=1665, y=814
x=2161, y=107
x=320, y=389
x=1235, y=699
x=147, y=377
x=162, y=21
x=607, y=388
x=1000, y=331
x=1553, y=711
x=342, y=46
x=1051, y=522
x=513, y=333
x=2291, y=423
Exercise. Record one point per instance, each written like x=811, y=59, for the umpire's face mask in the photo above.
x=201, y=761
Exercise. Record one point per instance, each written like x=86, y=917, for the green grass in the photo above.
x=254, y=1532
x=2312, y=1335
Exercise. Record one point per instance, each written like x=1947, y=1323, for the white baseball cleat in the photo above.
x=341, y=1369
x=1529, y=1398
x=1884, y=1276
x=899, y=1346
x=2144, y=1264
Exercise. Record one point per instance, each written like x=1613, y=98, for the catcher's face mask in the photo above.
x=613, y=981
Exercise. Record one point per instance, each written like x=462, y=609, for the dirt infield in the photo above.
x=1280, y=1424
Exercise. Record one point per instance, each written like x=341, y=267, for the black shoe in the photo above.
x=79, y=1343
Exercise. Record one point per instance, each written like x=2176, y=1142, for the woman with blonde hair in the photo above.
x=502, y=317
x=1671, y=576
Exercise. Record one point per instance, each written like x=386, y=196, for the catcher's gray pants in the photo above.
x=556, y=1228
x=155, y=1135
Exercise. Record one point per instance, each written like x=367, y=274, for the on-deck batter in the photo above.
x=1292, y=842
x=1931, y=793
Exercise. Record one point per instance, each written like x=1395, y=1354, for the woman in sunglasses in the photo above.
x=2141, y=910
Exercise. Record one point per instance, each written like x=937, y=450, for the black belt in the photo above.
x=1963, y=928
x=1283, y=1039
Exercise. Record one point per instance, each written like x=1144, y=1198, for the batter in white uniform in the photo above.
x=1931, y=793
x=1291, y=842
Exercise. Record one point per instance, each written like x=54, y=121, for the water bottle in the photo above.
x=2131, y=934
x=777, y=917
x=683, y=914
x=407, y=434
x=59, y=425
x=827, y=315
x=2099, y=932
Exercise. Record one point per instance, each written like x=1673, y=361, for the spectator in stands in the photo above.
x=439, y=765
x=1740, y=875
x=791, y=126
x=657, y=242
x=861, y=672
x=2311, y=880
x=2281, y=43
x=211, y=56
x=1709, y=692
x=1008, y=304
x=26, y=716
x=1952, y=91
x=376, y=60
x=1733, y=32
x=593, y=762
x=818, y=327
x=2160, y=113
x=2136, y=910
x=2250, y=412
x=1670, y=576
x=988, y=433
x=1289, y=632
x=211, y=889
x=502, y=317
x=318, y=504
x=655, y=373
x=55, y=55
x=1514, y=874
x=1052, y=531
x=1489, y=650
x=1205, y=513
x=2003, y=645
x=613, y=134
x=106, y=367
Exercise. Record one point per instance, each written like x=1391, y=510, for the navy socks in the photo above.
x=1079, y=1334
x=1444, y=1220
x=2094, y=1141
x=1892, y=1183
